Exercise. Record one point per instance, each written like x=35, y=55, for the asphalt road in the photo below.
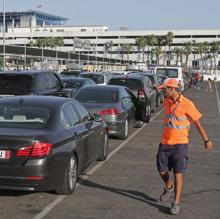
x=127, y=185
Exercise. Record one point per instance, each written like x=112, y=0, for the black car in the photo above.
x=155, y=81
x=117, y=105
x=46, y=142
x=70, y=73
x=140, y=85
x=31, y=83
x=100, y=78
x=75, y=83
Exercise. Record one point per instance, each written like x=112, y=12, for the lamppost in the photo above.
x=3, y=35
x=25, y=56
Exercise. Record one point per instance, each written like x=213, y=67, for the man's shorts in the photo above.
x=172, y=157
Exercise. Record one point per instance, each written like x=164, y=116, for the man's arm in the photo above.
x=202, y=132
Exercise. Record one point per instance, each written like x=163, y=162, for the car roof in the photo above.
x=41, y=101
x=75, y=79
x=102, y=87
x=134, y=76
x=93, y=73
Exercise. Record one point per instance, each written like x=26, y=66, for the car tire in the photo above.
x=161, y=98
x=153, y=109
x=158, y=101
x=69, y=182
x=148, y=113
x=138, y=124
x=124, y=134
x=104, y=148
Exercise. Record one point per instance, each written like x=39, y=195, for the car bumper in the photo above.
x=115, y=128
x=39, y=176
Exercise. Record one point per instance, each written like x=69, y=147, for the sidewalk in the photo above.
x=128, y=185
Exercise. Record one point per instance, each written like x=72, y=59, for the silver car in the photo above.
x=117, y=105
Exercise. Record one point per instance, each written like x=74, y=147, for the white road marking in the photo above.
x=60, y=198
x=218, y=101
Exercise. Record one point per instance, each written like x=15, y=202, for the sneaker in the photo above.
x=175, y=209
x=167, y=194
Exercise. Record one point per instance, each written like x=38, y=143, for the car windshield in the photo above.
x=99, y=79
x=131, y=83
x=169, y=72
x=72, y=84
x=16, y=85
x=97, y=96
x=12, y=116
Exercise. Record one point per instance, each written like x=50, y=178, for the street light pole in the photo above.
x=3, y=35
x=25, y=56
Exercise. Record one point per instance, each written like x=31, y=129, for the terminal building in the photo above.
x=25, y=27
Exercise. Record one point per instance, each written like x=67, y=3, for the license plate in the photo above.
x=4, y=154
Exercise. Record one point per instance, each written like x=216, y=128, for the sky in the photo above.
x=133, y=14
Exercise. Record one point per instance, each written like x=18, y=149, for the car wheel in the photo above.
x=153, y=107
x=158, y=101
x=161, y=98
x=148, y=113
x=124, y=135
x=104, y=149
x=138, y=124
x=70, y=177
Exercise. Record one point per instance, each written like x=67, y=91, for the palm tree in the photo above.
x=195, y=51
x=161, y=41
x=169, y=40
x=215, y=47
x=177, y=51
x=157, y=50
x=127, y=48
x=141, y=43
x=108, y=46
x=187, y=48
x=200, y=49
x=152, y=43
x=31, y=43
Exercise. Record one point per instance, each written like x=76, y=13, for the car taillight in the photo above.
x=112, y=111
x=24, y=151
x=141, y=93
x=38, y=149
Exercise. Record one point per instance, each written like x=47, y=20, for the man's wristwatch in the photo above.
x=206, y=141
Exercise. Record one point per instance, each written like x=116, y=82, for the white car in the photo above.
x=171, y=72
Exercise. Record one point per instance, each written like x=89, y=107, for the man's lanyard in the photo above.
x=177, y=104
x=173, y=111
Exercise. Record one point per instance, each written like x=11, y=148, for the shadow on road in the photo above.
x=128, y=193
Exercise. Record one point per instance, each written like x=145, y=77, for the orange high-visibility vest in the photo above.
x=178, y=117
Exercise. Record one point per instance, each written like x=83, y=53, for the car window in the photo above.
x=99, y=79
x=68, y=116
x=12, y=84
x=72, y=83
x=127, y=102
x=51, y=81
x=41, y=82
x=13, y=116
x=161, y=71
x=96, y=96
x=169, y=72
x=132, y=96
x=172, y=73
x=152, y=79
x=131, y=83
x=81, y=110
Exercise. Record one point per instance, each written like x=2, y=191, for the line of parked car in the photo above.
x=47, y=138
x=52, y=127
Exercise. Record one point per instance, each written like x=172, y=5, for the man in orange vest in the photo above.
x=172, y=152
